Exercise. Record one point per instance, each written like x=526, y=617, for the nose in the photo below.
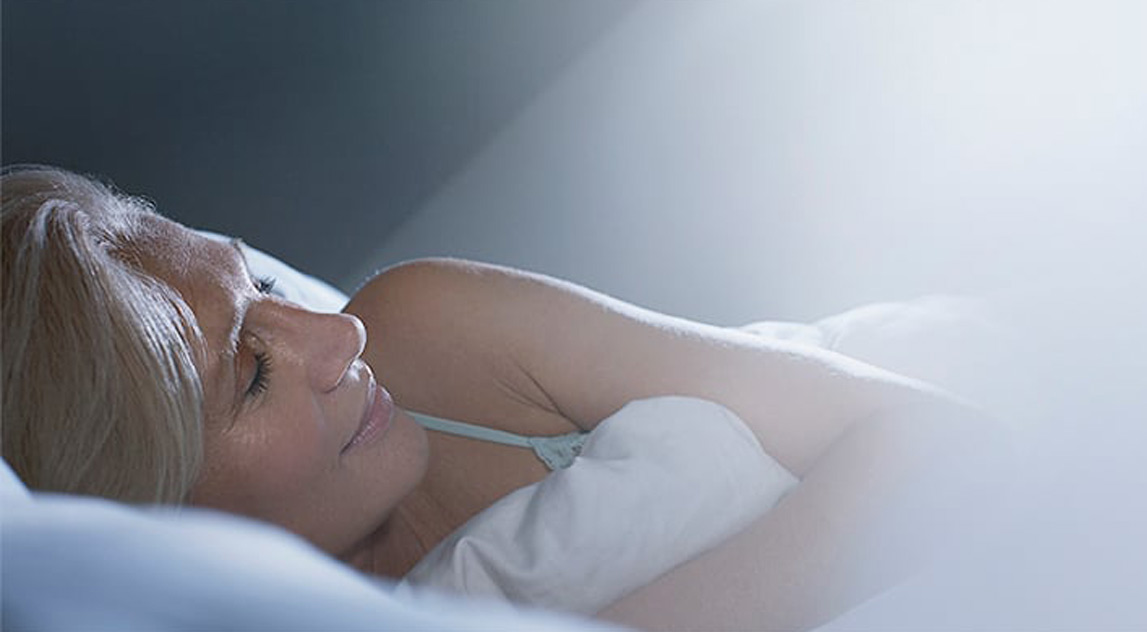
x=336, y=341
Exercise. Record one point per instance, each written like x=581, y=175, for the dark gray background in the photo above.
x=292, y=123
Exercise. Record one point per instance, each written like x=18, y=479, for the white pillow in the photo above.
x=11, y=487
x=82, y=563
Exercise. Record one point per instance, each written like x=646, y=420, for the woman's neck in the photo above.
x=415, y=527
x=448, y=496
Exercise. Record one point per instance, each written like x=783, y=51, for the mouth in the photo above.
x=376, y=418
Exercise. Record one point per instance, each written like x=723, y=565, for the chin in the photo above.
x=402, y=461
x=415, y=450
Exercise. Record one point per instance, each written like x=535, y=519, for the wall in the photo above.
x=731, y=161
x=308, y=128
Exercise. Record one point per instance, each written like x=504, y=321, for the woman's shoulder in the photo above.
x=464, y=299
x=430, y=273
x=441, y=337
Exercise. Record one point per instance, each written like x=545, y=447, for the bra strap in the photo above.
x=557, y=452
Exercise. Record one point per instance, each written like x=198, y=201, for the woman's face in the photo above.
x=296, y=430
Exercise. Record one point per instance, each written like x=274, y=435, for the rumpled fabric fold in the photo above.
x=657, y=483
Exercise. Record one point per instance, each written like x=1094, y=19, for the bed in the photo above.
x=85, y=563
x=81, y=563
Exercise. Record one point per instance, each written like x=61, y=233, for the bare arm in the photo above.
x=487, y=334
x=884, y=460
x=889, y=497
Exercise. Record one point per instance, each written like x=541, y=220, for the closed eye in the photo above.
x=262, y=376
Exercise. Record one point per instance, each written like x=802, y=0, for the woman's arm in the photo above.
x=487, y=335
x=889, y=497
x=891, y=469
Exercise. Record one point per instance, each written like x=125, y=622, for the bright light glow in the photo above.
x=736, y=161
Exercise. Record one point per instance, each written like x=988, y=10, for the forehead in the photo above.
x=210, y=276
x=183, y=258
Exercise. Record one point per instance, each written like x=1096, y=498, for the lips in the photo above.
x=376, y=418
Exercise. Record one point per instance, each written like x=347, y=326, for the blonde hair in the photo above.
x=101, y=394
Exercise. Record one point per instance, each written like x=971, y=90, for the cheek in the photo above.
x=289, y=465
x=269, y=471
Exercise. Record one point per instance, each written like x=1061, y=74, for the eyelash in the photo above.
x=262, y=374
x=265, y=284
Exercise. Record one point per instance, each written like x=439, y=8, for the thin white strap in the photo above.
x=557, y=452
x=472, y=431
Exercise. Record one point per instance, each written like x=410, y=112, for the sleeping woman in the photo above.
x=472, y=427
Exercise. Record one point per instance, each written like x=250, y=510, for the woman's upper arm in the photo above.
x=584, y=355
x=436, y=341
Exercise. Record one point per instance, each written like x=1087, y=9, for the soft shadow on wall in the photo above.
x=308, y=128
